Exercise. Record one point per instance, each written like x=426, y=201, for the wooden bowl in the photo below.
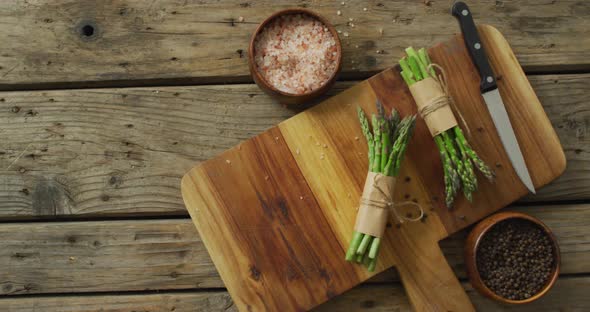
x=284, y=97
x=471, y=251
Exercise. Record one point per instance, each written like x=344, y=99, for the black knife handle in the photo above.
x=461, y=11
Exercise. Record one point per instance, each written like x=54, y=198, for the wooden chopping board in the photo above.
x=276, y=212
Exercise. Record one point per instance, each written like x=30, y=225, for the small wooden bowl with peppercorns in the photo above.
x=295, y=55
x=512, y=257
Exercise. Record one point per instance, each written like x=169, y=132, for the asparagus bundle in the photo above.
x=458, y=158
x=387, y=144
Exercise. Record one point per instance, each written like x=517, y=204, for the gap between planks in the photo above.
x=366, y=284
x=236, y=80
x=569, y=294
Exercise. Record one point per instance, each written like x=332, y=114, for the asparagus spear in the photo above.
x=357, y=237
x=468, y=167
x=459, y=163
x=385, y=143
x=376, y=167
x=413, y=62
x=479, y=164
x=402, y=151
x=448, y=170
x=367, y=132
x=425, y=58
x=394, y=120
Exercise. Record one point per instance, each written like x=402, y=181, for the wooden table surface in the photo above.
x=106, y=104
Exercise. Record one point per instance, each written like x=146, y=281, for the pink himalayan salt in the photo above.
x=295, y=53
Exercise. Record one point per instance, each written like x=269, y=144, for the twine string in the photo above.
x=442, y=100
x=390, y=205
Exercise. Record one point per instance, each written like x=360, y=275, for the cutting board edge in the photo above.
x=561, y=163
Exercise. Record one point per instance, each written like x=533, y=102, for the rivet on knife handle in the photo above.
x=461, y=11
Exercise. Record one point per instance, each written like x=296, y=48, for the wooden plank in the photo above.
x=83, y=43
x=60, y=257
x=205, y=301
x=123, y=151
x=103, y=256
x=564, y=103
x=569, y=294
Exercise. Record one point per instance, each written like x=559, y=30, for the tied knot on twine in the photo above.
x=432, y=105
x=387, y=202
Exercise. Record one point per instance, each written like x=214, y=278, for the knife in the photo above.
x=490, y=94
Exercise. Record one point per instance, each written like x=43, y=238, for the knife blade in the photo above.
x=490, y=93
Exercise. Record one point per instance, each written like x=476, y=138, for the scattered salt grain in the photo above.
x=352, y=25
x=322, y=156
x=365, y=9
x=240, y=19
x=339, y=13
x=297, y=152
x=266, y=177
x=379, y=51
x=276, y=138
x=345, y=34
x=356, y=46
x=339, y=31
x=325, y=146
x=350, y=19
x=381, y=31
x=341, y=3
x=300, y=197
x=295, y=54
x=228, y=161
x=356, y=138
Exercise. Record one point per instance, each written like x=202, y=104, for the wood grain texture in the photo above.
x=206, y=41
x=105, y=152
x=269, y=210
x=570, y=294
x=103, y=256
x=316, y=156
x=59, y=257
x=206, y=301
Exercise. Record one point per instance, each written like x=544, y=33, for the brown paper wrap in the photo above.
x=433, y=105
x=374, y=205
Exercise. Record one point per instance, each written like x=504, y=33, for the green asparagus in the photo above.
x=457, y=157
x=387, y=142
